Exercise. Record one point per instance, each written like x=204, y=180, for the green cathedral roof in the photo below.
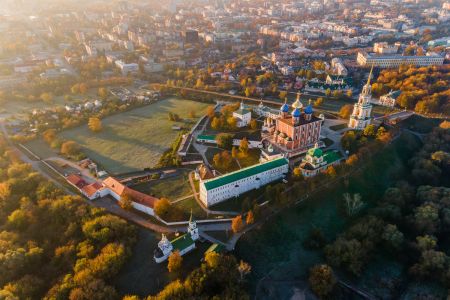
x=182, y=242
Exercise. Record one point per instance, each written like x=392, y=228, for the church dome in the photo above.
x=284, y=108
x=296, y=113
x=309, y=109
x=297, y=104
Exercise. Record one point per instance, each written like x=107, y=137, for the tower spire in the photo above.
x=370, y=75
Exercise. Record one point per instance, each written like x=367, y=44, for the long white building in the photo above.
x=231, y=185
x=395, y=60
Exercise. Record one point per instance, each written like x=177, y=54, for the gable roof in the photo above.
x=121, y=189
x=244, y=173
x=76, y=180
x=91, y=189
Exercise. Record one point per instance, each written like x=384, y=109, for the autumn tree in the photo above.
x=322, y=280
x=46, y=97
x=174, y=262
x=70, y=148
x=224, y=140
x=253, y=124
x=83, y=88
x=102, y=92
x=243, y=146
x=126, y=201
x=318, y=102
x=244, y=269
x=210, y=111
x=345, y=111
x=282, y=95
x=95, y=124
x=162, y=207
x=250, y=219
x=49, y=135
x=237, y=224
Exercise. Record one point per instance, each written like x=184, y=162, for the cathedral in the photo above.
x=295, y=132
x=361, y=116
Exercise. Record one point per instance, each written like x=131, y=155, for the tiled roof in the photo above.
x=120, y=189
x=244, y=173
x=91, y=189
x=76, y=180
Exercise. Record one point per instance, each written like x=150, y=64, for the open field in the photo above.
x=172, y=188
x=135, y=139
x=19, y=109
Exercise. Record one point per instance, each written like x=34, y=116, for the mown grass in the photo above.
x=135, y=139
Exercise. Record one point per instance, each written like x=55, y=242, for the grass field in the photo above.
x=135, y=139
x=172, y=187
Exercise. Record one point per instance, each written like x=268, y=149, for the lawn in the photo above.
x=171, y=188
x=338, y=127
x=134, y=140
x=250, y=159
x=189, y=205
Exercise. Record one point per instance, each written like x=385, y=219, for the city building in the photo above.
x=317, y=161
x=243, y=116
x=389, y=99
x=395, y=60
x=125, y=68
x=184, y=243
x=362, y=110
x=219, y=189
x=296, y=132
x=385, y=48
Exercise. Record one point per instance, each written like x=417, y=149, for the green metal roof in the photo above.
x=206, y=137
x=315, y=152
x=182, y=242
x=218, y=248
x=331, y=157
x=244, y=173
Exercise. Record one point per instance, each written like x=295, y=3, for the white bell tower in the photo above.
x=362, y=111
x=193, y=229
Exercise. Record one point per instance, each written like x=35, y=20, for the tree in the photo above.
x=282, y=95
x=126, y=201
x=349, y=93
x=348, y=141
x=215, y=123
x=318, y=102
x=328, y=92
x=210, y=112
x=243, y=147
x=95, y=124
x=192, y=114
x=426, y=242
x=70, y=148
x=49, y=135
x=253, y=124
x=234, y=152
x=322, y=280
x=331, y=171
x=103, y=93
x=353, y=205
x=393, y=236
x=162, y=207
x=232, y=122
x=345, y=111
x=46, y=97
x=75, y=89
x=244, y=269
x=250, y=218
x=174, y=262
x=369, y=131
x=236, y=224
x=83, y=88
x=224, y=140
